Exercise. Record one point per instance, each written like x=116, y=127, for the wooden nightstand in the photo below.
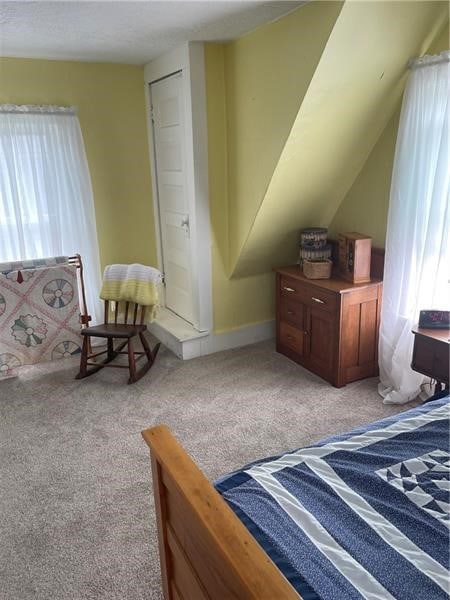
x=431, y=355
x=329, y=326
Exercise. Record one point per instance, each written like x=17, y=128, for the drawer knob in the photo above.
x=290, y=312
x=317, y=300
x=288, y=289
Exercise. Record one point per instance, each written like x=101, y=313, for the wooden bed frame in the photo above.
x=205, y=551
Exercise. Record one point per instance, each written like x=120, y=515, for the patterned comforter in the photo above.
x=362, y=515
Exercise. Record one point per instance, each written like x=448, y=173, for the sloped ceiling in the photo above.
x=352, y=93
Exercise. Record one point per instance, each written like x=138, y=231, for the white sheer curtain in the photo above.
x=46, y=200
x=417, y=244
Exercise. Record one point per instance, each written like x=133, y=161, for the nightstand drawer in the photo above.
x=431, y=357
x=441, y=365
x=307, y=294
x=292, y=312
x=291, y=337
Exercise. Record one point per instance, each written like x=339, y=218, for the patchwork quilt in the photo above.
x=39, y=316
x=362, y=515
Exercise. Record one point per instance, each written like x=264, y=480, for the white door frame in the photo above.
x=189, y=59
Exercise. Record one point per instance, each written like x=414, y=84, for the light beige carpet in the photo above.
x=76, y=509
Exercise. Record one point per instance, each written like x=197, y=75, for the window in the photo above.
x=46, y=200
x=417, y=242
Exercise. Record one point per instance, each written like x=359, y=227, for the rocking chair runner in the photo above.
x=126, y=331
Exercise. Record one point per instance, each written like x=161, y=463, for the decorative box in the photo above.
x=354, y=257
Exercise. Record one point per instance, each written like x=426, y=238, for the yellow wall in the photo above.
x=237, y=302
x=255, y=87
x=276, y=62
x=366, y=204
x=349, y=101
x=267, y=75
x=364, y=209
x=111, y=108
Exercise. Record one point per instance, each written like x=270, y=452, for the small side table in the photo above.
x=431, y=355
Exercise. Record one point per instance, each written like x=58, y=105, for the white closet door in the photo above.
x=169, y=144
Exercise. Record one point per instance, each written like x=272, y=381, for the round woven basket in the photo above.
x=317, y=269
x=314, y=253
x=313, y=237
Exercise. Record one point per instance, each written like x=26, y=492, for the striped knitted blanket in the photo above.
x=131, y=283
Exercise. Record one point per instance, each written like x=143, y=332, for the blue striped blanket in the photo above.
x=360, y=515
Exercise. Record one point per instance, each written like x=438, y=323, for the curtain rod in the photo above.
x=429, y=60
x=34, y=109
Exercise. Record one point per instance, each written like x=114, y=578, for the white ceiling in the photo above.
x=125, y=31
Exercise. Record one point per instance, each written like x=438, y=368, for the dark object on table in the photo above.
x=434, y=319
x=431, y=355
x=354, y=257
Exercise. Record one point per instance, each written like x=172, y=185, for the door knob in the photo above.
x=185, y=221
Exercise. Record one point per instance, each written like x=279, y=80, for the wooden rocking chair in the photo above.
x=125, y=331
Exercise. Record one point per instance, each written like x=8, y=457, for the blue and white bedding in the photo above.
x=360, y=515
